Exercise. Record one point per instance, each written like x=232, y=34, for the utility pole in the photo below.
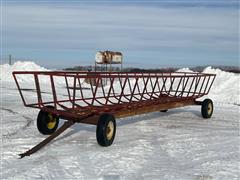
x=10, y=59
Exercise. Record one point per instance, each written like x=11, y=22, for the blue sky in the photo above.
x=150, y=34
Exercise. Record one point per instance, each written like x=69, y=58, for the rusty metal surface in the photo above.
x=140, y=92
x=121, y=94
x=66, y=125
x=153, y=107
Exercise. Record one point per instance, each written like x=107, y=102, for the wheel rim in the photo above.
x=110, y=130
x=210, y=108
x=52, y=122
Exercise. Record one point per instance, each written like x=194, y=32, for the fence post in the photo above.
x=10, y=59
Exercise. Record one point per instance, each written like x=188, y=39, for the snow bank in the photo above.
x=187, y=70
x=226, y=88
x=6, y=69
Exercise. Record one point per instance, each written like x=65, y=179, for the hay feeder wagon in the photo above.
x=66, y=95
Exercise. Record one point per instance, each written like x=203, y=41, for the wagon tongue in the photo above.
x=66, y=125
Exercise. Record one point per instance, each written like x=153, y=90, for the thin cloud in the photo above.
x=127, y=28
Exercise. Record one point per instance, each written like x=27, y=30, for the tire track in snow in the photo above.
x=9, y=110
x=28, y=123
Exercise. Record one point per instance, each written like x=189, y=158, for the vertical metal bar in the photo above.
x=74, y=92
x=104, y=94
x=81, y=92
x=172, y=81
x=120, y=80
x=144, y=89
x=53, y=91
x=134, y=89
x=19, y=89
x=110, y=88
x=114, y=94
x=211, y=84
x=149, y=79
x=80, y=87
x=95, y=92
x=138, y=88
x=137, y=85
x=164, y=82
x=206, y=84
x=197, y=83
x=191, y=86
x=130, y=87
x=183, y=82
x=67, y=86
x=178, y=86
x=151, y=82
x=147, y=83
x=91, y=84
x=184, y=86
x=202, y=84
x=38, y=90
x=144, y=82
x=165, y=87
x=155, y=84
x=122, y=89
x=159, y=89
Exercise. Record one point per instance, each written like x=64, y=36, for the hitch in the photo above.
x=66, y=125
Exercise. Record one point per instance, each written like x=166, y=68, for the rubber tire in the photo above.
x=42, y=121
x=101, y=132
x=165, y=110
x=206, y=112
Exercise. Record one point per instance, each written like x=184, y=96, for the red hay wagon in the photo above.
x=99, y=97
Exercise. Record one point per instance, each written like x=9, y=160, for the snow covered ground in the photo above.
x=178, y=144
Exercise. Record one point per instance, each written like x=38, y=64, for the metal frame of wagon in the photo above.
x=135, y=102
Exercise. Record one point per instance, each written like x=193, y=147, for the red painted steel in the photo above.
x=74, y=99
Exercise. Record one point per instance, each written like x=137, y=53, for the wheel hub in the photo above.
x=210, y=108
x=110, y=130
x=52, y=122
